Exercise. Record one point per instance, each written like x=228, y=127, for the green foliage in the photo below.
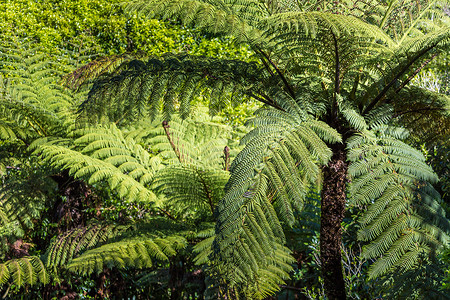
x=328, y=74
x=424, y=282
x=334, y=79
x=132, y=253
x=403, y=219
x=103, y=25
x=27, y=270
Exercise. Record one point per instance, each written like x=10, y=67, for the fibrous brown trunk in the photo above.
x=332, y=215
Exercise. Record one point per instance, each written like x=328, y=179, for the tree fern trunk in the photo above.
x=332, y=214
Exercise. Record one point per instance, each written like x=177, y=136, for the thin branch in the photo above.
x=166, y=126
x=266, y=100
x=286, y=84
x=394, y=80
x=415, y=72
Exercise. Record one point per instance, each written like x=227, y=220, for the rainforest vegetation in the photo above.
x=216, y=149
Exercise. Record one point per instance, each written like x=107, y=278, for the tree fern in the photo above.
x=333, y=75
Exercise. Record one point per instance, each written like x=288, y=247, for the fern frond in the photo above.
x=424, y=282
x=425, y=113
x=403, y=220
x=26, y=270
x=277, y=164
x=137, y=252
x=217, y=17
x=141, y=87
x=31, y=103
x=405, y=19
x=97, y=170
x=96, y=68
x=69, y=244
x=191, y=186
x=19, y=207
x=312, y=24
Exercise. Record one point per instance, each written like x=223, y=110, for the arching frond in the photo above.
x=141, y=87
x=94, y=69
x=400, y=64
x=425, y=113
x=75, y=241
x=128, y=186
x=270, y=175
x=140, y=252
x=313, y=24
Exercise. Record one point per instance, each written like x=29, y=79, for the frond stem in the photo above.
x=166, y=126
x=416, y=72
x=337, y=88
x=415, y=22
x=266, y=66
x=286, y=83
x=337, y=75
x=207, y=191
x=226, y=158
x=394, y=80
x=36, y=129
x=266, y=100
x=167, y=213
